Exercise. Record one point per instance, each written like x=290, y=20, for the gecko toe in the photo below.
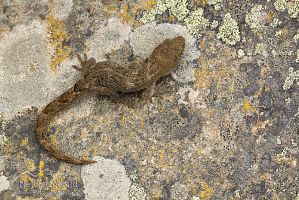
x=80, y=58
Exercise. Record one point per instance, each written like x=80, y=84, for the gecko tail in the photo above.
x=61, y=156
x=47, y=114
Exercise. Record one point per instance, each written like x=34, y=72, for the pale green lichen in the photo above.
x=214, y=24
x=229, y=30
x=255, y=18
x=194, y=20
x=136, y=191
x=292, y=77
x=296, y=37
x=280, y=5
x=288, y=100
x=216, y=3
x=260, y=49
x=297, y=59
x=178, y=8
x=275, y=22
x=278, y=33
x=3, y=138
x=293, y=8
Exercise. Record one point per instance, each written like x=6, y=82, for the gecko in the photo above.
x=110, y=79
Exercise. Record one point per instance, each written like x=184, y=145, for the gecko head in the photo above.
x=168, y=54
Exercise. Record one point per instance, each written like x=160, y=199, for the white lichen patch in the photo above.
x=4, y=183
x=137, y=192
x=255, y=19
x=214, y=24
x=194, y=19
x=106, y=179
x=275, y=22
x=24, y=62
x=189, y=96
x=145, y=38
x=240, y=53
x=62, y=8
x=229, y=30
x=292, y=77
x=108, y=37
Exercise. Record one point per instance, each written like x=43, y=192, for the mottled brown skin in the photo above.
x=109, y=78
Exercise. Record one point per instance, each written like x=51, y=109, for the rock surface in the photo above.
x=225, y=128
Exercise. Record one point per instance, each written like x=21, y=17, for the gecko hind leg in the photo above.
x=103, y=91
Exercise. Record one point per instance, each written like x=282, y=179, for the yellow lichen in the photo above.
x=56, y=37
x=41, y=166
x=248, y=107
x=128, y=10
x=206, y=192
x=24, y=142
x=30, y=165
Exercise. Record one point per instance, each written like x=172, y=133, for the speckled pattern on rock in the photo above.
x=225, y=128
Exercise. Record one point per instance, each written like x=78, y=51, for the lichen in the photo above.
x=194, y=20
x=216, y=3
x=280, y=5
x=214, y=24
x=128, y=10
x=57, y=37
x=275, y=22
x=297, y=59
x=207, y=192
x=136, y=191
x=3, y=138
x=229, y=30
x=296, y=37
x=241, y=53
x=292, y=77
x=260, y=48
x=254, y=19
x=293, y=8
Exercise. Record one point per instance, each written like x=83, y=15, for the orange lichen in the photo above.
x=56, y=37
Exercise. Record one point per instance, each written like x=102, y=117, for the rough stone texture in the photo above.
x=100, y=178
x=225, y=128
